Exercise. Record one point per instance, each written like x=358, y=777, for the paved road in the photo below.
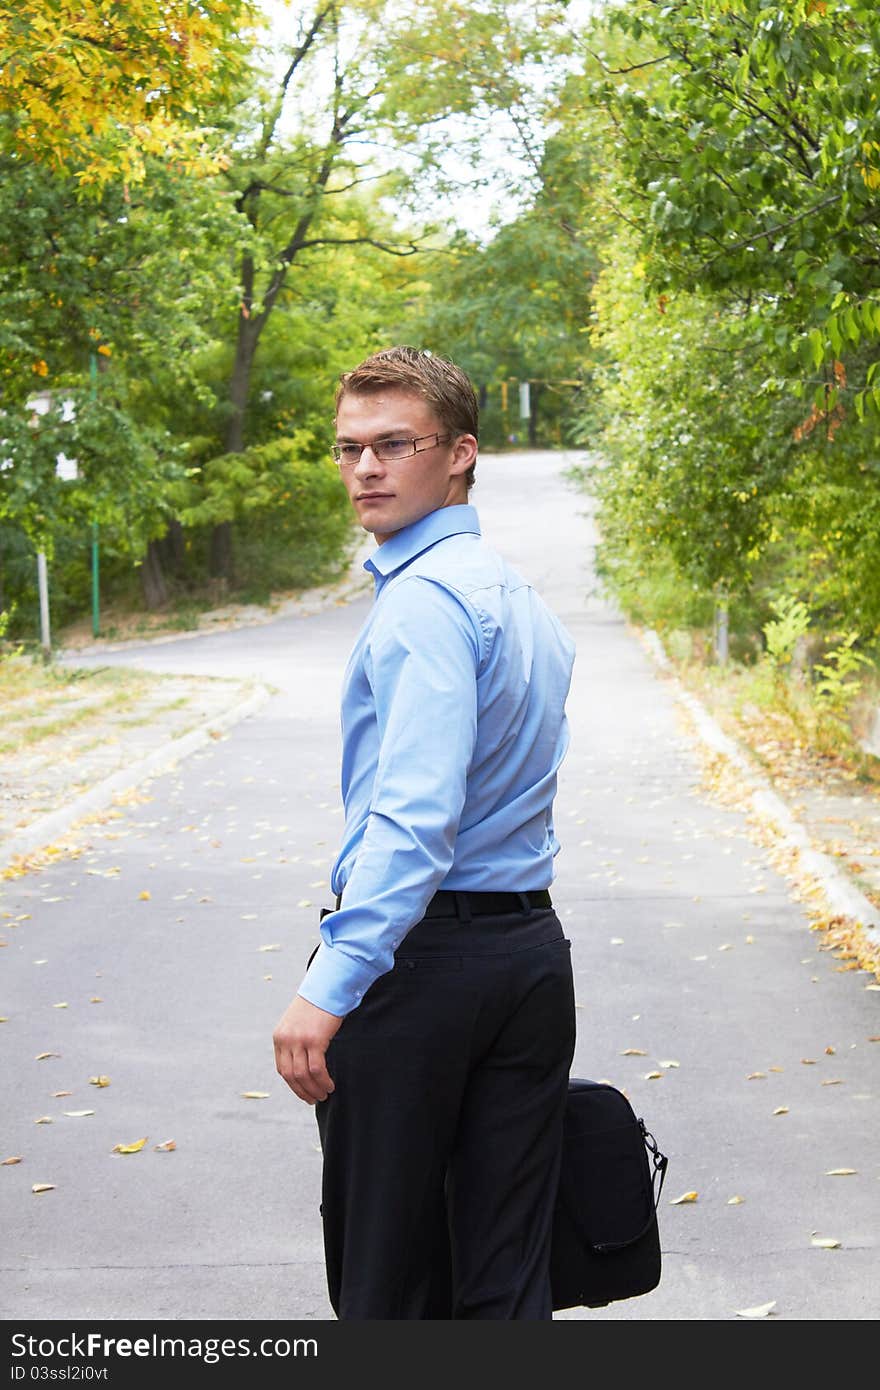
x=161, y=956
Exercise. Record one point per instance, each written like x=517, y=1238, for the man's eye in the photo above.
x=395, y=446
x=349, y=452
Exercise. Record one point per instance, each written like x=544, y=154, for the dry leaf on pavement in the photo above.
x=685, y=1197
x=129, y=1148
x=761, y=1311
x=43, y=1187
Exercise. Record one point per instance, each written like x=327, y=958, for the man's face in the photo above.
x=389, y=496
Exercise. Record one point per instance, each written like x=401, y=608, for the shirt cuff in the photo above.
x=334, y=982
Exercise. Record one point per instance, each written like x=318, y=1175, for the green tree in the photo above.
x=515, y=309
x=356, y=76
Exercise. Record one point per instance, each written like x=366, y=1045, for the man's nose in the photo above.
x=368, y=464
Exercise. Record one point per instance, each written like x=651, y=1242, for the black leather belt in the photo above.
x=447, y=903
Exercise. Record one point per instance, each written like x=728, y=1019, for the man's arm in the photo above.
x=423, y=659
x=422, y=662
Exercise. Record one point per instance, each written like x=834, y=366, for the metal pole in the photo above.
x=43, y=585
x=95, y=613
x=722, y=645
x=93, y=376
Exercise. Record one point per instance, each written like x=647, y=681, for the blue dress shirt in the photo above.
x=453, y=728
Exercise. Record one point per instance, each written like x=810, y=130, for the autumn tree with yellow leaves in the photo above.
x=93, y=87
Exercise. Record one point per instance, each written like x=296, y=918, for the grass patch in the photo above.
x=41, y=701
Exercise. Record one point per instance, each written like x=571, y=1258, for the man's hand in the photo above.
x=301, y=1037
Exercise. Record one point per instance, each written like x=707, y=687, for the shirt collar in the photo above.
x=410, y=541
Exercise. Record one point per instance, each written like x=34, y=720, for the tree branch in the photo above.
x=770, y=231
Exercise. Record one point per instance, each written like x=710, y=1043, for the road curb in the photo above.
x=843, y=897
x=162, y=759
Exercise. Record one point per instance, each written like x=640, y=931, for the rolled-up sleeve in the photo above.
x=422, y=661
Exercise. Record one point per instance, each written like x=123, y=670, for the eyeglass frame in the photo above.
x=375, y=445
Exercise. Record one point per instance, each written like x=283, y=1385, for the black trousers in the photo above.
x=441, y=1141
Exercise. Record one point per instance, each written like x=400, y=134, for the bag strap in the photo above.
x=660, y=1163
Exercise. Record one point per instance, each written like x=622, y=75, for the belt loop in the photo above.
x=463, y=907
x=338, y=901
x=525, y=903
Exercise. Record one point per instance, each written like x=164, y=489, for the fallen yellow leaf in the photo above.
x=685, y=1197
x=670, y=1064
x=757, y=1076
x=16, y=1158
x=56, y=1095
x=269, y=948
x=43, y=1187
x=653, y=1075
x=166, y=1146
x=735, y=1201
x=808, y=1061
x=825, y=1243
x=761, y=1311
x=43, y=1120
x=781, y=1110
x=99, y=1081
x=839, y=1172
x=41, y=1056
x=255, y=1095
x=829, y=1052
x=74, y=1114
x=129, y=1148
x=633, y=1052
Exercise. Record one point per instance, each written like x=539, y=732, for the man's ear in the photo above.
x=464, y=453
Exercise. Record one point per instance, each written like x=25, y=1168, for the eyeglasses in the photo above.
x=386, y=450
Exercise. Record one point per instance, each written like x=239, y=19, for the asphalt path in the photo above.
x=161, y=955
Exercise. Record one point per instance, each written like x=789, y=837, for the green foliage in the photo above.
x=783, y=632
x=514, y=309
x=840, y=674
x=736, y=154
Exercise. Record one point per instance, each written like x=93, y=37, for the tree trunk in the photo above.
x=220, y=554
x=153, y=585
x=172, y=549
x=221, y=560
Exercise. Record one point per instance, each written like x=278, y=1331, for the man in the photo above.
x=434, y=1028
